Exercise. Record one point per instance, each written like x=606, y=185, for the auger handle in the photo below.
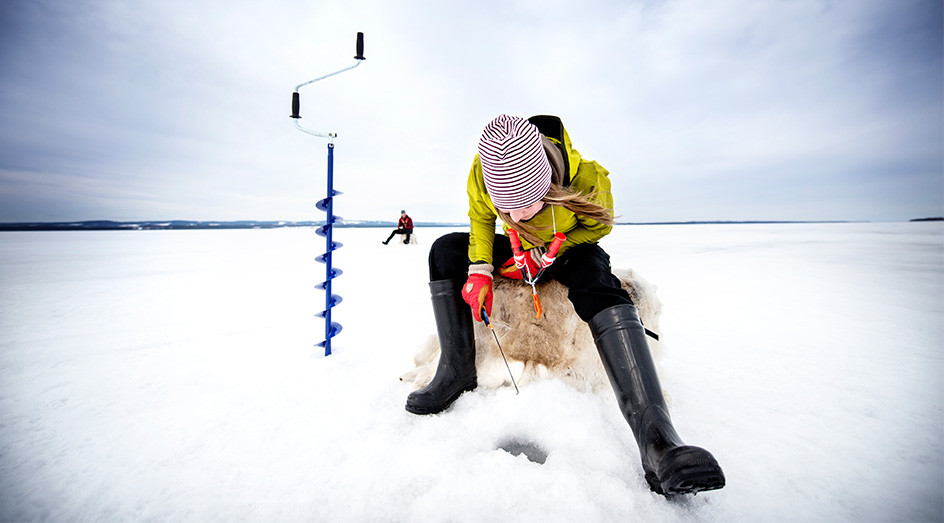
x=296, y=105
x=295, y=101
x=360, y=47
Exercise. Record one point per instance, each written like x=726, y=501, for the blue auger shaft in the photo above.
x=327, y=230
x=328, y=239
x=331, y=329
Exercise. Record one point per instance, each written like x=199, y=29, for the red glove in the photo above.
x=531, y=261
x=477, y=291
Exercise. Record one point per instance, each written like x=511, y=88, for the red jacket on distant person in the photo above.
x=404, y=226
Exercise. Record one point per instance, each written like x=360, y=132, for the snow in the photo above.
x=172, y=375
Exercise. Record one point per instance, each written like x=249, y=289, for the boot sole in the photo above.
x=690, y=470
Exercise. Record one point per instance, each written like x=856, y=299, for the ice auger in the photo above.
x=327, y=205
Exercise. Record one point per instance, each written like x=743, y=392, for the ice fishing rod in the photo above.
x=546, y=260
x=327, y=205
x=488, y=324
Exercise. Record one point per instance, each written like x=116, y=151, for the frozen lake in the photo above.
x=171, y=375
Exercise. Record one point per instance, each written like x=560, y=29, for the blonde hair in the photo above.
x=573, y=201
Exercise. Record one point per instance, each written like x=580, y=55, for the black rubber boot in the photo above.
x=671, y=467
x=456, y=371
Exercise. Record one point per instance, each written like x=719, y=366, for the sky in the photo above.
x=723, y=110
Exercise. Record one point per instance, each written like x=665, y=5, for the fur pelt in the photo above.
x=556, y=346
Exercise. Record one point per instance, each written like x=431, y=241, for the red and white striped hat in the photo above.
x=516, y=169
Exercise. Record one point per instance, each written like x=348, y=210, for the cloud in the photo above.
x=737, y=108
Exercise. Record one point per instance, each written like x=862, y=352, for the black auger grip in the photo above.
x=295, y=105
x=360, y=47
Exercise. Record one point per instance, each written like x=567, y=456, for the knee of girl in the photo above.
x=591, y=300
x=449, y=257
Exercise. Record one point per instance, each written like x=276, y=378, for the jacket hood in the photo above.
x=553, y=127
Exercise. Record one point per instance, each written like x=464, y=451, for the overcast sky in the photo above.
x=720, y=110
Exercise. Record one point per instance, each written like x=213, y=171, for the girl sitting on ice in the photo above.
x=528, y=174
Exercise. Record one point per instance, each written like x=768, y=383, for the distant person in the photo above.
x=528, y=175
x=404, y=226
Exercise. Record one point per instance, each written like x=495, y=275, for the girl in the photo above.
x=528, y=174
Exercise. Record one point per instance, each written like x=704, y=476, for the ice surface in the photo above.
x=172, y=375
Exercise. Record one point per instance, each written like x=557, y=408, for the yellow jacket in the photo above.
x=584, y=176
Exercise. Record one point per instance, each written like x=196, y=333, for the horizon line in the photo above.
x=86, y=225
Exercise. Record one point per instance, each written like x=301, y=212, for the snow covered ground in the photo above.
x=171, y=375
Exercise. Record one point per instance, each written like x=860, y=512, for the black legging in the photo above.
x=584, y=269
x=407, y=232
